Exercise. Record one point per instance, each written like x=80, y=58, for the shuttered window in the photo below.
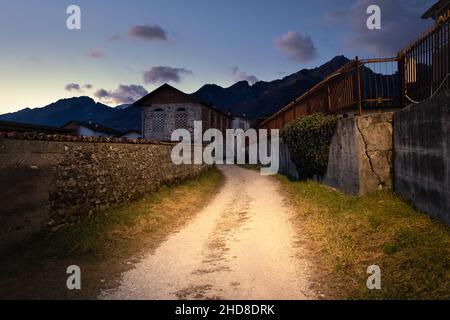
x=181, y=121
x=159, y=121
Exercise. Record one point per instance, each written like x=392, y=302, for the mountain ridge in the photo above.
x=265, y=98
x=255, y=101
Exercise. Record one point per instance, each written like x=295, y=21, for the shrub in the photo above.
x=308, y=139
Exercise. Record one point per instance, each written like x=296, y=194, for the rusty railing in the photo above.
x=357, y=86
x=426, y=64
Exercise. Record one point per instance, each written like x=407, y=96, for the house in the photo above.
x=440, y=11
x=132, y=134
x=8, y=126
x=167, y=108
x=240, y=121
x=90, y=129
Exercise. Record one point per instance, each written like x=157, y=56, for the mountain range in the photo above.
x=265, y=98
x=255, y=101
x=81, y=109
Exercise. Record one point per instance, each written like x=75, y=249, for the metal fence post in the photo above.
x=402, y=78
x=358, y=80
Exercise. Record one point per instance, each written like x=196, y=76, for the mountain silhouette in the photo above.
x=265, y=98
x=259, y=100
x=79, y=109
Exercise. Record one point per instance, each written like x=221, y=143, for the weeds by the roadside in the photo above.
x=350, y=233
x=104, y=244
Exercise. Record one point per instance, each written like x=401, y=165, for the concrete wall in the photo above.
x=47, y=184
x=343, y=162
x=287, y=167
x=360, y=159
x=422, y=155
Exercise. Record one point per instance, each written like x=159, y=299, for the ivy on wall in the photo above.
x=309, y=139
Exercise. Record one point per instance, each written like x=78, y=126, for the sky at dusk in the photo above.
x=127, y=48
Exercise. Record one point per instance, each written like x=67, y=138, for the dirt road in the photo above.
x=243, y=245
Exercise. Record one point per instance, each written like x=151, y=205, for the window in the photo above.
x=181, y=121
x=159, y=121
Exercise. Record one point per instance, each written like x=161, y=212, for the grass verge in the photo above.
x=105, y=245
x=350, y=233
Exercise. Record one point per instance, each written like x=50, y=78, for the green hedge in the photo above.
x=309, y=139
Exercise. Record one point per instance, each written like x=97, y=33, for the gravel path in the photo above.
x=241, y=246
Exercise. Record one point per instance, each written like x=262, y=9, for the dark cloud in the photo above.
x=124, y=94
x=400, y=24
x=242, y=76
x=148, y=33
x=96, y=53
x=88, y=86
x=165, y=74
x=73, y=87
x=297, y=46
x=102, y=94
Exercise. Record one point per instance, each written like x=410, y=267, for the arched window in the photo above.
x=181, y=121
x=159, y=120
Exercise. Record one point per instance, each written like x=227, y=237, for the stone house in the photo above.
x=440, y=11
x=167, y=108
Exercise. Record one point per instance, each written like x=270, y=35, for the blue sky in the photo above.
x=186, y=42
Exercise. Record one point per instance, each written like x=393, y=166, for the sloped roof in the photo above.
x=178, y=96
x=94, y=127
x=8, y=126
x=436, y=9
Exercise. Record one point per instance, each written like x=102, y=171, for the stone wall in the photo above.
x=47, y=184
x=193, y=112
x=422, y=155
x=360, y=159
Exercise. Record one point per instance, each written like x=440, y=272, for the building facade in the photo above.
x=90, y=129
x=241, y=122
x=167, y=109
x=132, y=134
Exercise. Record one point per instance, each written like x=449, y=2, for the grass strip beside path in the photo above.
x=104, y=245
x=350, y=233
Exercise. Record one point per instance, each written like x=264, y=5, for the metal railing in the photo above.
x=426, y=64
x=357, y=86
x=417, y=73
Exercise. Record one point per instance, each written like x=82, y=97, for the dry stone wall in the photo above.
x=47, y=184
